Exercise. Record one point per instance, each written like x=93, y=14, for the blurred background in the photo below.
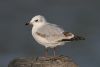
x=78, y=16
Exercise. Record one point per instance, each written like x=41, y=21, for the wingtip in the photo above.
x=79, y=38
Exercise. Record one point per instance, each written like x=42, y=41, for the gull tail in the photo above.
x=75, y=38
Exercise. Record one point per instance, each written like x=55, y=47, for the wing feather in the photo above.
x=51, y=32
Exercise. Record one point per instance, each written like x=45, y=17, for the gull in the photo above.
x=50, y=35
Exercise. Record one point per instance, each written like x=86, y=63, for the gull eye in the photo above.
x=36, y=20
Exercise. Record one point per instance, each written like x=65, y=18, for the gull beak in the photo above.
x=26, y=24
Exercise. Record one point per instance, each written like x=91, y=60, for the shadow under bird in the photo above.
x=50, y=35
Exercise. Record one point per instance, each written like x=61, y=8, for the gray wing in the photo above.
x=51, y=32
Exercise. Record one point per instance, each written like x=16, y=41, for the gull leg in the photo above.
x=46, y=52
x=54, y=51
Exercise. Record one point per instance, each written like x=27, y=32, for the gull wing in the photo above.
x=51, y=32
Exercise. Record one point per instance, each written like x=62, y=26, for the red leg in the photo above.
x=46, y=52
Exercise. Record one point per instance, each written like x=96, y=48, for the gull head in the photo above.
x=37, y=20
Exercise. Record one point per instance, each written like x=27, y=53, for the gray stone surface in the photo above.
x=58, y=61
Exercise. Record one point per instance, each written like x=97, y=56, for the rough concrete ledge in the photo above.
x=57, y=61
